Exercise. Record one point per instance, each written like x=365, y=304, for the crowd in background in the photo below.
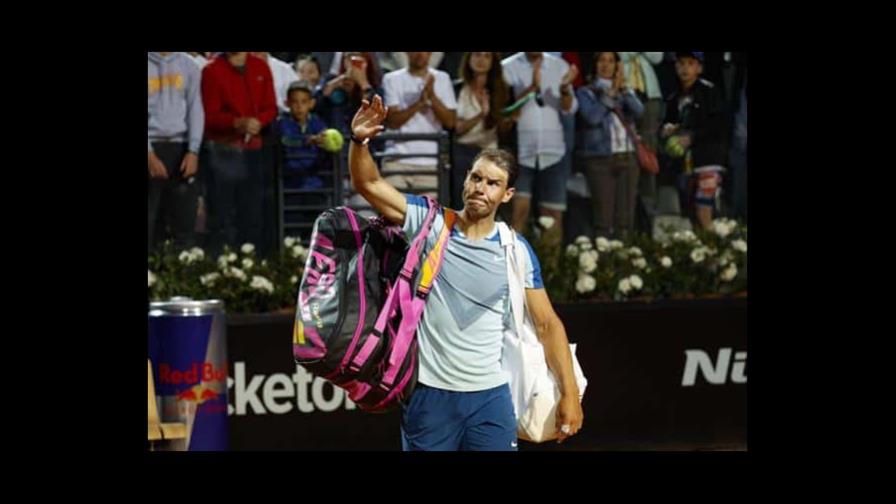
x=227, y=131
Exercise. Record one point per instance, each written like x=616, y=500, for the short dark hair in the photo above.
x=502, y=159
x=300, y=85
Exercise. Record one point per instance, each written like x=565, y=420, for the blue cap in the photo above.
x=697, y=55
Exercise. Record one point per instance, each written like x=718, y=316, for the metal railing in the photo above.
x=339, y=191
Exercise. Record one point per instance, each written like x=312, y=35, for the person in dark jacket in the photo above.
x=693, y=133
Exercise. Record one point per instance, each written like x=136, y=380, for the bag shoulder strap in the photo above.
x=419, y=241
x=436, y=256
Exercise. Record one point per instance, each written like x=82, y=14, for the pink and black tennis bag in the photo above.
x=361, y=296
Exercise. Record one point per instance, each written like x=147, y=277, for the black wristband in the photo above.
x=358, y=140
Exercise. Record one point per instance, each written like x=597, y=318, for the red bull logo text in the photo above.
x=205, y=372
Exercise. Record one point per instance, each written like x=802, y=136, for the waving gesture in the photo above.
x=368, y=121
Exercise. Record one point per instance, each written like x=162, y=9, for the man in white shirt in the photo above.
x=284, y=75
x=540, y=142
x=420, y=99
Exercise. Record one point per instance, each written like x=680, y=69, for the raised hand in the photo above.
x=368, y=121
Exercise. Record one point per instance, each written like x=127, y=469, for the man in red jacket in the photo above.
x=238, y=97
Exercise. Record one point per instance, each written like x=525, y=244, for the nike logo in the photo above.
x=497, y=258
x=513, y=444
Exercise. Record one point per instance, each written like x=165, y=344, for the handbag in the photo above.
x=647, y=159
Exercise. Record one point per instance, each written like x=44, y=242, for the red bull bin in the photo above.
x=187, y=348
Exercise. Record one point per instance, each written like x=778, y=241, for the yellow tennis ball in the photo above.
x=333, y=140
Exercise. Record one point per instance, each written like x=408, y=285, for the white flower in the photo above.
x=222, y=262
x=546, y=222
x=247, y=263
x=572, y=250
x=289, y=241
x=247, y=248
x=625, y=285
x=666, y=261
x=721, y=227
x=635, y=251
x=729, y=273
x=603, y=244
x=293, y=279
x=684, y=236
x=583, y=242
x=152, y=278
x=587, y=262
x=197, y=253
x=298, y=251
x=585, y=283
x=264, y=263
x=739, y=245
x=725, y=258
x=236, y=273
x=231, y=257
x=209, y=279
x=185, y=257
x=698, y=254
x=639, y=263
x=615, y=245
x=261, y=283
x=636, y=282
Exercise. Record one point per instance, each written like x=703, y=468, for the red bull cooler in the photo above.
x=187, y=348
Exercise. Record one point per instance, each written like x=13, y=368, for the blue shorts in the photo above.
x=443, y=420
x=549, y=183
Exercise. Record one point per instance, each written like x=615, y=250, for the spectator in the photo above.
x=479, y=102
x=175, y=127
x=540, y=142
x=308, y=68
x=238, y=95
x=693, y=130
x=338, y=100
x=419, y=100
x=609, y=151
x=300, y=134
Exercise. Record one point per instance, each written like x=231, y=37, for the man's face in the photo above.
x=262, y=55
x=485, y=188
x=418, y=60
x=533, y=55
x=688, y=68
x=300, y=104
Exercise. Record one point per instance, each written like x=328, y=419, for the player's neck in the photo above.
x=475, y=229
